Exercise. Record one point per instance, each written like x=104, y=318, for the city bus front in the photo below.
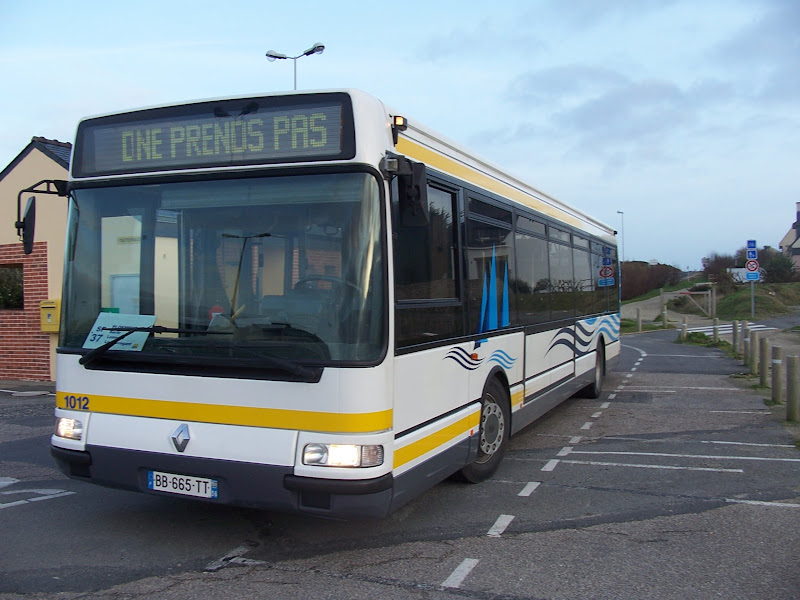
x=224, y=331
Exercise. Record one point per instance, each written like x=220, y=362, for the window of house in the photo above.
x=11, y=287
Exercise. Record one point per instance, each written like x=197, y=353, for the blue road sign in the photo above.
x=752, y=254
x=753, y=276
x=751, y=244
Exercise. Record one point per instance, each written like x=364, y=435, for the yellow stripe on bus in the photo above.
x=436, y=439
x=229, y=415
x=448, y=165
x=517, y=398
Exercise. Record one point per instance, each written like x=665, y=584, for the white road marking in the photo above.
x=550, y=465
x=576, y=440
x=748, y=444
x=500, y=525
x=41, y=493
x=699, y=456
x=564, y=451
x=761, y=503
x=607, y=404
x=234, y=554
x=458, y=576
x=587, y=425
x=529, y=488
x=597, y=414
x=640, y=466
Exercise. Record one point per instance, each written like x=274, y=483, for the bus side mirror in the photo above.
x=26, y=227
x=412, y=186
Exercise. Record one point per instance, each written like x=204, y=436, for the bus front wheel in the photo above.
x=495, y=429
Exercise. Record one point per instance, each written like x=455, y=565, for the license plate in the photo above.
x=182, y=484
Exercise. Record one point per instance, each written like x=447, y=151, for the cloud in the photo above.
x=767, y=52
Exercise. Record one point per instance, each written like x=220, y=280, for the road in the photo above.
x=677, y=483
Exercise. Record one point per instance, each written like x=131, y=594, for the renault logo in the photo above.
x=181, y=437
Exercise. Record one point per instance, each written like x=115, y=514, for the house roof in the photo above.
x=59, y=152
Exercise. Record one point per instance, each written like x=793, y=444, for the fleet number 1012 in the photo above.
x=76, y=402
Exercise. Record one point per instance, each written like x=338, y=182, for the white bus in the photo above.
x=304, y=302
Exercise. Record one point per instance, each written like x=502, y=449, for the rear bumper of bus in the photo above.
x=268, y=487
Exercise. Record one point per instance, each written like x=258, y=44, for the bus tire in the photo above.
x=594, y=389
x=495, y=430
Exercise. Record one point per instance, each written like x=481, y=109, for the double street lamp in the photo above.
x=315, y=49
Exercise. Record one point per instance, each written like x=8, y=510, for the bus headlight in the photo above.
x=342, y=455
x=72, y=429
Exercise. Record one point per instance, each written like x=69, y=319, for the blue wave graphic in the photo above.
x=465, y=360
x=502, y=359
x=581, y=339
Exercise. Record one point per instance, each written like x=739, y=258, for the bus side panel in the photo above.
x=548, y=360
x=505, y=352
x=429, y=384
x=587, y=334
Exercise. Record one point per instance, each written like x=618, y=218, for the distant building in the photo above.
x=26, y=281
x=790, y=244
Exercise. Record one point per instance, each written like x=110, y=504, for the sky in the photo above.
x=676, y=122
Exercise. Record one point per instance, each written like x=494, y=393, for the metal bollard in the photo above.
x=716, y=330
x=754, y=339
x=763, y=361
x=778, y=374
x=735, y=339
x=793, y=388
x=639, y=320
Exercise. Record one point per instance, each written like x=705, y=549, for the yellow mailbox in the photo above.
x=51, y=315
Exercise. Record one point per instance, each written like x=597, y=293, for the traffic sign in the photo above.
x=753, y=276
x=752, y=266
x=751, y=244
x=606, y=271
x=752, y=254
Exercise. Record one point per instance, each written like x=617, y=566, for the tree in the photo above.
x=776, y=266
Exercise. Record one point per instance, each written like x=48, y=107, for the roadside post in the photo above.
x=753, y=274
x=778, y=374
x=735, y=339
x=763, y=360
x=746, y=344
x=754, y=335
x=793, y=388
x=716, y=330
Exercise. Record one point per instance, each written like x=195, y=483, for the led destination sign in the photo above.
x=263, y=130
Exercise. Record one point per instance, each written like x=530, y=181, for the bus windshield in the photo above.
x=242, y=271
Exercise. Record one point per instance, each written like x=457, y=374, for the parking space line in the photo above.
x=698, y=456
x=575, y=440
x=503, y=521
x=747, y=444
x=461, y=572
x=551, y=464
x=641, y=466
x=529, y=488
x=587, y=425
x=762, y=503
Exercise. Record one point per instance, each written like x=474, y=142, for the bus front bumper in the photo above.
x=269, y=487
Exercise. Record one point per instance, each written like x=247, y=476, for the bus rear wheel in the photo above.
x=495, y=430
x=594, y=389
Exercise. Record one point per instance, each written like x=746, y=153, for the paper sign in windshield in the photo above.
x=103, y=331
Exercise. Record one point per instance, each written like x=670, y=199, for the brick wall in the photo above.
x=24, y=349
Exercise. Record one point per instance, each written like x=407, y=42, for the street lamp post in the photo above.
x=622, y=216
x=315, y=49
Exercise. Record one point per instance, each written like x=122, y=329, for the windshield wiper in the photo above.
x=95, y=353
x=283, y=364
